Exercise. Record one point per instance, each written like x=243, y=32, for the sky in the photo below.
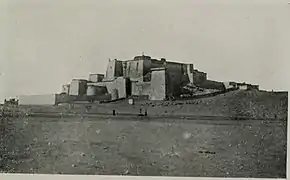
x=46, y=43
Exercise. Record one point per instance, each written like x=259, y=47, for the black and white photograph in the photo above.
x=190, y=88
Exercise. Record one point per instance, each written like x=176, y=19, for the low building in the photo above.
x=245, y=86
x=159, y=85
x=78, y=87
x=96, y=77
x=199, y=77
x=12, y=101
x=230, y=85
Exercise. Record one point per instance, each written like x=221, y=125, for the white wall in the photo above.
x=110, y=72
x=141, y=88
x=119, y=84
x=243, y=87
x=158, y=85
x=74, y=88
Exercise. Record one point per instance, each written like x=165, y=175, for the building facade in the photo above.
x=158, y=79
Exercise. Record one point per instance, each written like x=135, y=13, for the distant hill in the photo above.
x=43, y=99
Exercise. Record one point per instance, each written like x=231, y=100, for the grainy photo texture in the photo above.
x=145, y=88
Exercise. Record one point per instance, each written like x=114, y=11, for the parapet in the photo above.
x=142, y=57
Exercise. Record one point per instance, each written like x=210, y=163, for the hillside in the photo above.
x=249, y=104
x=252, y=104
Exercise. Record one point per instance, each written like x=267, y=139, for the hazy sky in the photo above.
x=46, y=43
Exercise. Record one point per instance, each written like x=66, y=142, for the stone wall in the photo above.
x=189, y=69
x=133, y=69
x=199, y=77
x=96, y=77
x=157, y=63
x=100, y=90
x=245, y=86
x=147, y=66
x=118, y=84
x=209, y=84
x=114, y=69
x=176, y=74
x=78, y=87
x=110, y=72
x=158, y=85
x=141, y=88
x=119, y=69
x=230, y=85
x=74, y=88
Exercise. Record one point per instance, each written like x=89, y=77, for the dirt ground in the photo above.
x=137, y=146
x=152, y=145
